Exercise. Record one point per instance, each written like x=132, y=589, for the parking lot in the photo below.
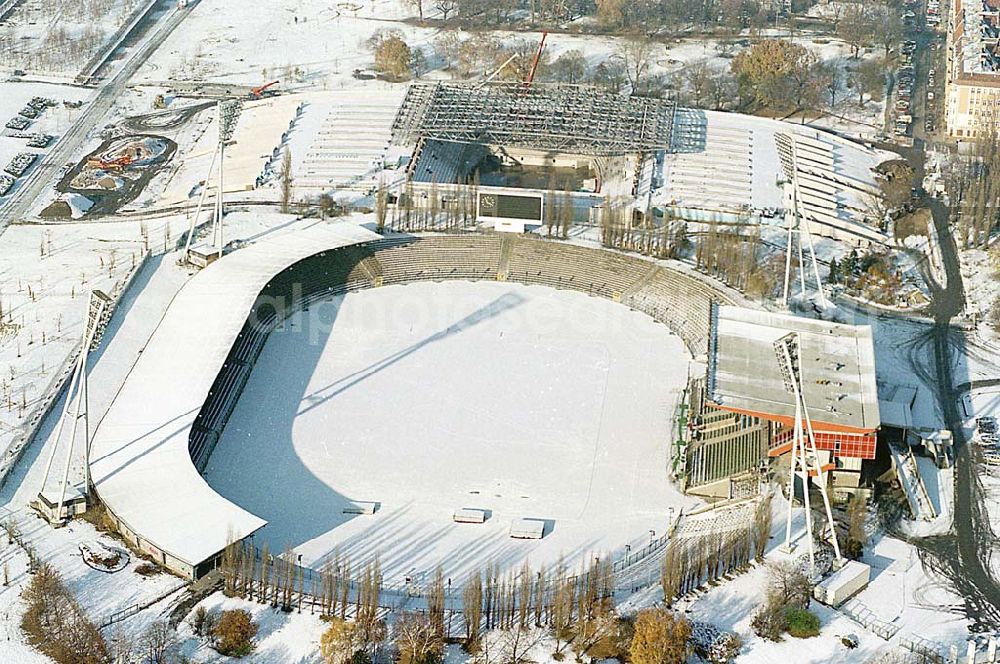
x=917, y=103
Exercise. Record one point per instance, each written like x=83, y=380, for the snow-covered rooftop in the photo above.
x=837, y=368
x=139, y=459
x=976, y=31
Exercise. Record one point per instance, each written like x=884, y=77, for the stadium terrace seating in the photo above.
x=349, y=148
x=438, y=257
x=603, y=273
x=438, y=161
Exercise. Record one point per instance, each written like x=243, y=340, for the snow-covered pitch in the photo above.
x=426, y=398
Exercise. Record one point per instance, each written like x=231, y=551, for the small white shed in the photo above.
x=843, y=584
x=469, y=515
x=202, y=255
x=74, y=502
x=527, y=529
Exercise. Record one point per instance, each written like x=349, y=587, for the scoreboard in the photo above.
x=510, y=209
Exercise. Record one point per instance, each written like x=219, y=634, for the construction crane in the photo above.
x=497, y=71
x=534, y=63
x=258, y=92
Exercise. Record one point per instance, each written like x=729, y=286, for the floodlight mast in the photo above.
x=201, y=202
x=228, y=115
x=77, y=397
x=804, y=459
x=799, y=224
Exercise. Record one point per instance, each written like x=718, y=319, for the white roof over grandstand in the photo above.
x=837, y=368
x=726, y=161
x=139, y=459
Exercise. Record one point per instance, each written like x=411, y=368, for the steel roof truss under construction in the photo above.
x=562, y=118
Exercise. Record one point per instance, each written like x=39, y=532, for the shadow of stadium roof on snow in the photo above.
x=563, y=118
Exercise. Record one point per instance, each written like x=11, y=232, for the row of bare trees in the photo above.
x=491, y=598
x=281, y=582
x=557, y=213
x=690, y=563
x=974, y=186
x=504, y=614
x=733, y=253
x=440, y=208
x=627, y=229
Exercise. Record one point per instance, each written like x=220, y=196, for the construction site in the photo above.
x=114, y=174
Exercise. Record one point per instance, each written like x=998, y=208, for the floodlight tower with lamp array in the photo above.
x=229, y=114
x=804, y=455
x=78, y=399
x=798, y=224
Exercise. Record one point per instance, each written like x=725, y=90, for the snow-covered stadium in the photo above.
x=354, y=397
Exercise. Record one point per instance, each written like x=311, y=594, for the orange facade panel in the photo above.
x=850, y=445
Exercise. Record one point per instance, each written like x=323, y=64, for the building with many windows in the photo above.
x=972, y=88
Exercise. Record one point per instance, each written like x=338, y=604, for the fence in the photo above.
x=120, y=615
x=927, y=650
x=133, y=609
x=860, y=614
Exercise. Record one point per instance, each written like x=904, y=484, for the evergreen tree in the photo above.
x=834, y=276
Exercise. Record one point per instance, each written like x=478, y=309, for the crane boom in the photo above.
x=497, y=70
x=258, y=91
x=534, y=63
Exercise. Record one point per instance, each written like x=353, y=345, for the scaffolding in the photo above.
x=561, y=118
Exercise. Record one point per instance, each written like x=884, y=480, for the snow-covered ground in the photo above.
x=281, y=637
x=982, y=289
x=901, y=593
x=55, y=38
x=388, y=395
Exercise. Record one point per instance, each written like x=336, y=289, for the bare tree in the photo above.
x=120, y=649
x=445, y=7
x=417, y=638
x=286, y=180
x=636, y=55
x=155, y=642
x=339, y=642
x=789, y=583
x=472, y=607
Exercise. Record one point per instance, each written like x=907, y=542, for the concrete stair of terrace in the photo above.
x=908, y=472
x=506, y=248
